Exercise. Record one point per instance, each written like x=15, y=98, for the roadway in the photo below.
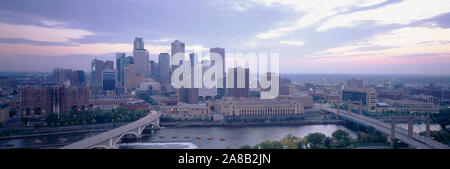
x=401, y=134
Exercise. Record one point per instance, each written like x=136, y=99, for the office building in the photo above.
x=238, y=82
x=41, y=101
x=154, y=67
x=109, y=80
x=140, y=58
x=78, y=77
x=221, y=52
x=122, y=62
x=164, y=68
x=366, y=96
x=132, y=80
x=5, y=83
x=60, y=75
x=177, y=47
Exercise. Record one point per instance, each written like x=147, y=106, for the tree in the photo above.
x=316, y=140
x=290, y=141
x=340, y=134
x=269, y=145
x=443, y=117
x=371, y=130
x=245, y=147
x=328, y=142
x=301, y=144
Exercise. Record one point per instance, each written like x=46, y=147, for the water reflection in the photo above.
x=233, y=137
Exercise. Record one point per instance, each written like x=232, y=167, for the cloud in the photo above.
x=313, y=12
x=426, y=44
x=403, y=12
x=52, y=23
x=292, y=42
x=43, y=34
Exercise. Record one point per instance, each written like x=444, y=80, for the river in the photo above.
x=235, y=137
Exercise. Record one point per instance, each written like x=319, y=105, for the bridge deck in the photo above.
x=417, y=141
x=88, y=142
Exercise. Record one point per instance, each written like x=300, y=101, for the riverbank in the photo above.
x=248, y=124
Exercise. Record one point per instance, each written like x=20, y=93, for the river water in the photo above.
x=235, y=137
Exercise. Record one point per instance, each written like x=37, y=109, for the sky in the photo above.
x=311, y=36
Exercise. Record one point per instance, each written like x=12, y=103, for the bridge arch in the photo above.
x=100, y=147
x=137, y=135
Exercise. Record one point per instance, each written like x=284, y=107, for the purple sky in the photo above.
x=319, y=36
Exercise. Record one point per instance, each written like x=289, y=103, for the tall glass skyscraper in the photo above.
x=140, y=57
x=122, y=62
x=164, y=67
x=109, y=80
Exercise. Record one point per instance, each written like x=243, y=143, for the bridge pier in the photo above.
x=427, y=126
x=360, y=107
x=410, y=127
x=393, y=128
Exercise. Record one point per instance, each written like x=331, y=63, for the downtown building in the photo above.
x=368, y=97
x=229, y=107
x=185, y=111
x=131, y=79
x=109, y=80
x=140, y=58
x=60, y=75
x=78, y=78
x=186, y=95
x=41, y=101
x=238, y=82
x=164, y=68
x=97, y=68
x=122, y=62
x=221, y=52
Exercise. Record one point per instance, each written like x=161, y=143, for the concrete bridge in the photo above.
x=409, y=137
x=109, y=139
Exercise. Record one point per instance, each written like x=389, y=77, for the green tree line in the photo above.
x=121, y=114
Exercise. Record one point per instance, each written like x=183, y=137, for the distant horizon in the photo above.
x=281, y=73
x=411, y=37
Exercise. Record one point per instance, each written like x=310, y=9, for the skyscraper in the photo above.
x=140, y=57
x=97, y=67
x=138, y=43
x=109, y=64
x=177, y=47
x=78, y=77
x=154, y=70
x=122, y=62
x=62, y=75
x=236, y=90
x=164, y=68
x=206, y=91
x=221, y=52
x=132, y=80
x=109, y=79
x=193, y=58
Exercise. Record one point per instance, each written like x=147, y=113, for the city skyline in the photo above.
x=311, y=37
